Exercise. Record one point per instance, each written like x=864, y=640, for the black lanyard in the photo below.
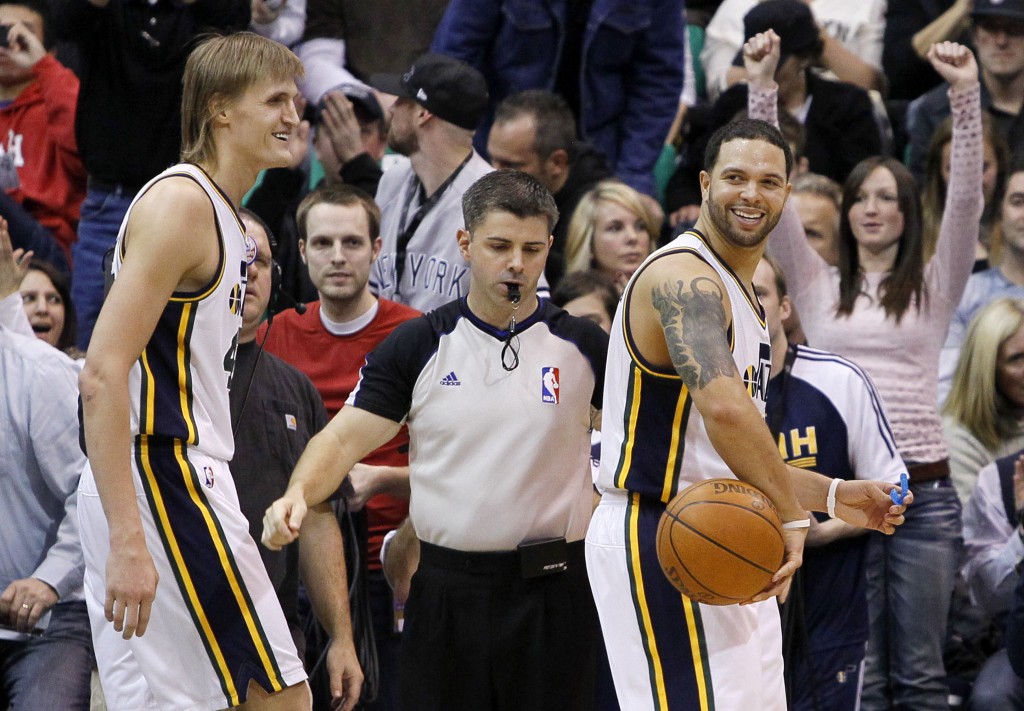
x=405, y=236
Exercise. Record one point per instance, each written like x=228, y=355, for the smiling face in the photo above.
x=621, y=241
x=745, y=191
x=43, y=306
x=339, y=252
x=260, y=122
x=504, y=250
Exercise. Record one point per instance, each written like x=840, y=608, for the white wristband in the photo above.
x=799, y=523
x=830, y=500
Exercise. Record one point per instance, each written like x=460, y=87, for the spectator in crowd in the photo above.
x=534, y=131
x=41, y=174
x=46, y=656
x=826, y=416
x=46, y=297
x=1005, y=279
x=994, y=543
x=348, y=41
x=850, y=34
x=1015, y=628
x=588, y=294
x=998, y=34
x=908, y=73
x=817, y=201
x=280, y=20
x=618, y=64
x=993, y=179
x=887, y=310
x=339, y=241
x=128, y=121
x=985, y=407
x=275, y=410
x=479, y=493
x=440, y=103
x=611, y=231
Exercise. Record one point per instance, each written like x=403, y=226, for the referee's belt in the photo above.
x=492, y=562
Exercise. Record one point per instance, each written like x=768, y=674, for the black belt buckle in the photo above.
x=545, y=557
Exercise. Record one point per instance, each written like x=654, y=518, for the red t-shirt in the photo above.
x=333, y=363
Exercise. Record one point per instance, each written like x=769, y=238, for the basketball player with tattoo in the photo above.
x=684, y=401
x=167, y=550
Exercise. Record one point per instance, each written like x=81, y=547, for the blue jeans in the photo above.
x=53, y=671
x=997, y=687
x=910, y=585
x=102, y=213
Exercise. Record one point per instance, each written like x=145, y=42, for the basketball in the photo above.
x=720, y=541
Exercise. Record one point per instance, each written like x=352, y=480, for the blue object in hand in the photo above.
x=899, y=495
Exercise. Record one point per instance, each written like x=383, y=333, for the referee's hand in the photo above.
x=282, y=521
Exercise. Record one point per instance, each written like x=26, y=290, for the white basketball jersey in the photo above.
x=179, y=386
x=653, y=440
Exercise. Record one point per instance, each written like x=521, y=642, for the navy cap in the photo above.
x=447, y=87
x=999, y=8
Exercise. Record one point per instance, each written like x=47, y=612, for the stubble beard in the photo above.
x=720, y=219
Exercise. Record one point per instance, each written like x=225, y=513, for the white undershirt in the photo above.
x=347, y=328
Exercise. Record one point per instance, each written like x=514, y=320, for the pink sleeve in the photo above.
x=787, y=243
x=948, y=270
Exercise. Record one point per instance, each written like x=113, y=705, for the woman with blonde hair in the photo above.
x=984, y=414
x=611, y=231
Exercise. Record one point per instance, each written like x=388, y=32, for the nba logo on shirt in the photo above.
x=549, y=385
x=208, y=474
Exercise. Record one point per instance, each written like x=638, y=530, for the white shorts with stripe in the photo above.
x=667, y=652
x=216, y=621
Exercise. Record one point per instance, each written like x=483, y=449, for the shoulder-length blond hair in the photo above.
x=975, y=400
x=219, y=70
x=579, y=245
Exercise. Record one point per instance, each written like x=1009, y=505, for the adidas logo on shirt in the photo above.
x=451, y=380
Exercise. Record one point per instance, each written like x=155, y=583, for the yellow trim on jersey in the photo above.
x=641, y=601
x=222, y=554
x=695, y=654
x=728, y=270
x=186, y=411
x=182, y=570
x=149, y=407
x=630, y=433
x=673, y=450
x=803, y=462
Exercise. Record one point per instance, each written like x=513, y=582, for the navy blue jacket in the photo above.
x=631, y=72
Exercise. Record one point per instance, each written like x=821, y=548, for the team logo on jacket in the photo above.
x=549, y=385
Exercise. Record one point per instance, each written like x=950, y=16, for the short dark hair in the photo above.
x=41, y=8
x=344, y=195
x=778, y=276
x=510, y=191
x=576, y=285
x=553, y=120
x=746, y=129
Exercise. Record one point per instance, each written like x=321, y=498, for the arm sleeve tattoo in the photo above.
x=695, y=330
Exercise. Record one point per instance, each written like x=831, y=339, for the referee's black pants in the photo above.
x=478, y=637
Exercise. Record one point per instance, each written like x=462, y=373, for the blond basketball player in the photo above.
x=183, y=613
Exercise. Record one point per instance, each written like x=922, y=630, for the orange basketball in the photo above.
x=720, y=541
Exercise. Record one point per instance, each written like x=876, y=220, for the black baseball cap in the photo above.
x=999, y=8
x=366, y=106
x=447, y=87
x=792, y=21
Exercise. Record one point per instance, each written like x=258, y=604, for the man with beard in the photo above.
x=440, y=103
x=687, y=371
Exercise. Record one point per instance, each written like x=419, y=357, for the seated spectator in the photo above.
x=46, y=655
x=817, y=201
x=994, y=543
x=1006, y=279
x=535, y=131
x=588, y=294
x=611, y=231
x=46, y=296
x=985, y=409
x=280, y=20
x=993, y=179
x=40, y=169
x=998, y=33
x=887, y=310
x=851, y=35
